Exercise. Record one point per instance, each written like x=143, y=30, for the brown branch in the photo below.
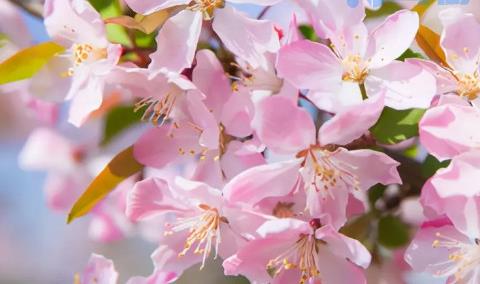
x=32, y=8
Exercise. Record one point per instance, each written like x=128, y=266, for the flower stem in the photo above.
x=363, y=90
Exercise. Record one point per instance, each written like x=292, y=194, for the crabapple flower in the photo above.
x=99, y=270
x=211, y=129
x=329, y=172
x=441, y=250
x=294, y=251
x=444, y=131
x=197, y=221
x=460, y=43
x=247, y=38
x=335, y=74
x=83, y=68
x=452, y=191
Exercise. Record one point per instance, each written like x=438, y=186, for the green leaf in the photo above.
x=118, y=120
x=308, y=32
x=395, y=126
x=374, y=194
x=387, y=8
x=120, y=168
x=393, y=232
x=108, y=9
x=27, y=62
x=431, y=165
x=410, y=54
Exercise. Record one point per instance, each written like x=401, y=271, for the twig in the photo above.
x=31, y=8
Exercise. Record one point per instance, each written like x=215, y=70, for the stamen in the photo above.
x=303, y=255
x=355, y=69
x=204, y=232
x=157, y=108
x=207, y=7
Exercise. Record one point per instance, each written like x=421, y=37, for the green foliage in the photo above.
x=27, y=62
x=431, y=165
x=410, y=54
x=108, y=9
x=118, y=120
x=395, y=126
x=308, y=32
x=387, y=8
x=392, y=232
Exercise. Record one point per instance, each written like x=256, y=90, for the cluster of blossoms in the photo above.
x=259, y=148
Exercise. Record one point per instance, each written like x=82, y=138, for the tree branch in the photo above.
x=32, y=8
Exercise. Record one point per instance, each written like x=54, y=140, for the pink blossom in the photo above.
x=328, y=173
x=441, y=250
x=99, y=270
x=198, y=221
x=293, y=251
x=459, y=41
x=81, y=71
x=247, y=38
x=207, y=129
x=334, y=73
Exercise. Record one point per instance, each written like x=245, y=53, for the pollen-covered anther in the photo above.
x=207, y=7
x=84, y=52
x=468, y=85
x=204, y=231
x=303, y=255
x=157, y=109
x=355, y=69
x=463, y=256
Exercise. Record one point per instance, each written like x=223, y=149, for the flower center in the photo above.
x=322, y=172
x=84, y=53
x=463, y=258
x=355, y=69
x=303, y=255
x=468, y=85
x=204, y=231
x=207, y=7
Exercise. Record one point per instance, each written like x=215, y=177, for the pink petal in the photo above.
x=461, y=40
x=344, y=246
x=335, y=269
x=204, y=120
x=444, y=133
x=283, y=126
x=210, y=78
x=456, y=193
x=406, y=85
x=158, y=277
x=237, y=115
x=352, y=122
x=239, y=158
x=348, y=95
x=88, y=99
x=247, y=38
x=70, y=21
x=391, y=38
x=160, y=146
x=150, y=196
x=310, y=65
x=99, y=270
x=257, y=183
x=422, y=256
x=177, y=42
x=370, y=167
x=37, y=152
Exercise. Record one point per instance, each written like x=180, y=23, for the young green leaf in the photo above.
x=392, y=232
x=118, y=120
x=395, y=126
x=27, y=62
x=120, y=168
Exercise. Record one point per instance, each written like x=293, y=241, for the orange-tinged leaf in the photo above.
x=27, y=62
x=147, y=23
x=422, y=7
x=122, y=166
x=429, y=42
